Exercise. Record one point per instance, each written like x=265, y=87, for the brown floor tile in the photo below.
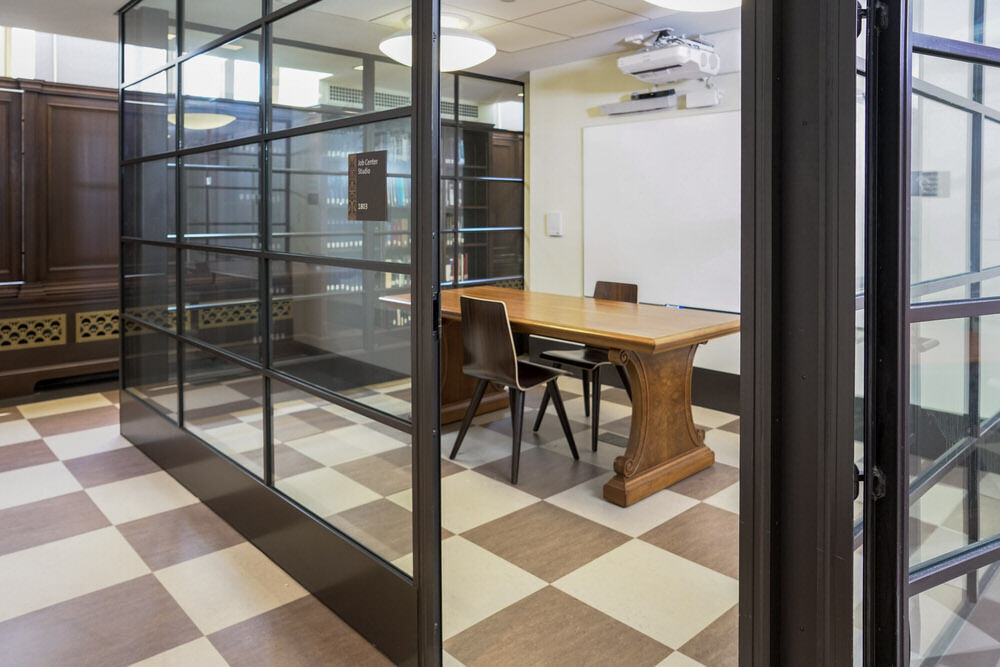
x=385, y=474
x=172, y=537
x=542, y=473
x=289, y=427
x=553, y=629
x=717, y=645
x=322, y=420
x=615, y=395
x=303, y=632
x=287, y=461
x=9, y=415
x=545, y=540
x=986, y=617
x=614, y=439
x=987, y=658
x=708, y=482
x=79, y=420
x=394, y=433
x=112, y=396
x=223, y=414
x=550, y=430
x=30, y=525
x=402, y=394
x=112, y=466
x=252, y=388
x=619, y=426
x=731, y=427
x=704, y=534
x=114, y=626
x=25, y=455
x=381, y=525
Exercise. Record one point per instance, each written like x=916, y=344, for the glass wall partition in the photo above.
x=268, y=216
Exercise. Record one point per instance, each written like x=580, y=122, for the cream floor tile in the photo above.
x=139, y=497
x=677, y=659
x=929, y=618
x=448, y=660
x=198, y=653
x=229, y=586
x=711, y=418
x=477, y=584
x=63, y=405
x=728, y=499
x=405, y=563
x=481, y=445
x=938, y=543
x=604, y=457
x=935, y=506
x=18, y=430
x=326, y=491
x=231, y=437
x=58, y=571
x=662, y=595
x=206, y=397
x=726, y=446
x=469, y=499
x=609, y=411
x=587, y=500
x=84, y=443
x=344, y=444
x=349, y=415
x=389, y=404
x=26, y=485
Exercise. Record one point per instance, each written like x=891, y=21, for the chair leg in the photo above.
x=541, y=410
x=623, y=374
x=586, y=393
x=517, y=419
x=477, y=396
x=561, y=411
x=595, y=412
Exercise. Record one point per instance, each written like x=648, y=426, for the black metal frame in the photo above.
x=401, y=615
x=797, y=328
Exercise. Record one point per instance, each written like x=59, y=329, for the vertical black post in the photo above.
x=266, y=313
x=180, y=311
x=797, y=372
x=887, y=334
x=426, y=328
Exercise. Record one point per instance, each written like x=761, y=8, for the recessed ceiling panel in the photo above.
x=581, y=18
x=363, y=11
x=511, y=37
x=639, y=7
x=397, y=19
x=510, y=11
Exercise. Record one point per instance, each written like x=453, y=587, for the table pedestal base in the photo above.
x=664, y=446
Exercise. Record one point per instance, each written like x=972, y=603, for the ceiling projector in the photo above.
x=669, y=58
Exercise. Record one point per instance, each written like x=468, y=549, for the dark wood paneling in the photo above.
x=10, y=189
x=81, y=190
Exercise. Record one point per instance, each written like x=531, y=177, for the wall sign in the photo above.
x=367, y=186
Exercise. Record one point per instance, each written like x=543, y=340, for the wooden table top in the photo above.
x=607, y=324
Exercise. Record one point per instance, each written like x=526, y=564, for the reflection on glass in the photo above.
x=311, y=86
x=309, y=194
x=352, y=471
x=206, y=21
x=946, y=629
x=494, y=103
x=149, y=278
x=150, y=35
x=223, y=405
x=333, y=329
x=148, y=200
x=487, y=255
x=222, y=197
x=222, y=301
x=222, y=93
x=149, y=109
x=150, y=368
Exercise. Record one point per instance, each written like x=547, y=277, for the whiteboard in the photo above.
x=661, y=208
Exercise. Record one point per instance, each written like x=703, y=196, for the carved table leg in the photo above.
x=664, y=446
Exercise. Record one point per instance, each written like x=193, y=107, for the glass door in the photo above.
x=931, y=527
x=279, y=190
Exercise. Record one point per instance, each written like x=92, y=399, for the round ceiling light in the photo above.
x=202, y=121
x=460, y=47
x=696, y=5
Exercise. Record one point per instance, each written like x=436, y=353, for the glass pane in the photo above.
x=222, y=197
x=490, y=204
x=222, y=93
x=149, y=277
x=150, y=36
x=150, y=368
x=859, y=361
x=149, y=200
x=205, y=21
x=352, y=471
x=953, y=19
x=150, y=112
x=223, y=405
x=473, y=152
x=499, y=105
x=340, y=335
x=309, y=194
x=489, y=255
x=947, y=628
x=222, y=301
x=320, y=56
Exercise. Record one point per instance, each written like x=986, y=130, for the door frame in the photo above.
x=797, y=348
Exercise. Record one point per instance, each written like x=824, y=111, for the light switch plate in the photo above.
x=554, y=224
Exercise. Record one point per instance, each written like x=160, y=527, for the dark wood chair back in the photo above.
x=626, y=292
x=488, y=341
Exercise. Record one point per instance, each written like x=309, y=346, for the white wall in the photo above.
x=562, y=101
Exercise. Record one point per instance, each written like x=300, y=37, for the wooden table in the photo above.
x=655, y=344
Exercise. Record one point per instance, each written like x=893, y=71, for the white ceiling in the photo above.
x=529, y=34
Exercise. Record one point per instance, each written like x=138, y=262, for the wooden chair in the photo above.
x=590, y=360
x=490, y=356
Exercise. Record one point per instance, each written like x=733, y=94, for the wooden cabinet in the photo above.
x=58, y=233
